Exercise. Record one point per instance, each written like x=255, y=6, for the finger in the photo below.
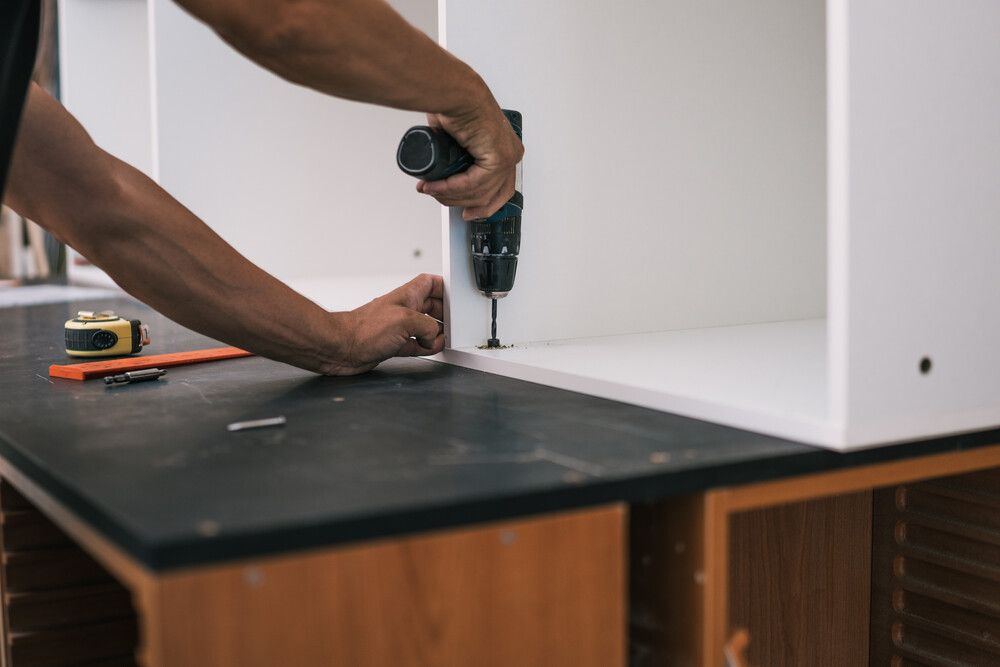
x=434, y=284
x=434, y=308
x=423, y=328
x=472, y=182
x=494, y=204
x=414, y=349
x=424, y=286
x=476, y=199
x=413, y=293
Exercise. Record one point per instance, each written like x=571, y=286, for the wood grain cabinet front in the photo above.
x=895, y=564
x=547, y=591
x=544, y=592
x=936, y=572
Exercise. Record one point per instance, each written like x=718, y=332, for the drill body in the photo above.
x=432, y=154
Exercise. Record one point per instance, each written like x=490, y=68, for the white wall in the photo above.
x=303, y=184
x=675, y=166
x=104, y=74
x=105, y=83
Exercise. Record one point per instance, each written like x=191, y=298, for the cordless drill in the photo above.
x=432, y=154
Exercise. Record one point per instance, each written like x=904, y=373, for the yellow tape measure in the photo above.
x=104, y=334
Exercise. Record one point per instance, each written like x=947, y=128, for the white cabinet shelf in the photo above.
x=767, y=377
x=801, y=197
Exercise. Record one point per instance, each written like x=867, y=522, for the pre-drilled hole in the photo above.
x=925, y=365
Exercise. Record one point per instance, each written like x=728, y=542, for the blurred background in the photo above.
x=26, y=250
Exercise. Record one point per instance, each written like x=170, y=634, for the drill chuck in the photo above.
x=495, y=243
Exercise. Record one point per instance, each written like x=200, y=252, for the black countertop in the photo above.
x=412, y=446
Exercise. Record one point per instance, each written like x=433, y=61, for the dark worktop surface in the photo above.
x=415, y=445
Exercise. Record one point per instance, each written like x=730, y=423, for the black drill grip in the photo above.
x=432, y=154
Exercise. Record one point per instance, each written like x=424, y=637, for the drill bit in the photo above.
x=135, y=376
x=493, y=341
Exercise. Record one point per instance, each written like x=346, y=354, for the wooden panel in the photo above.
x=936, y=572
x=29, y=529
x=819, y=485
x=46, y=569
x=666, y=583
x=75, y=645
x=799, y=581
x=678, y=556
x=60, y=607
x=548, y=591
x=40, y=609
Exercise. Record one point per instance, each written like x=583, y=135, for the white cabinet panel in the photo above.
x=923, y=251
x=700, y=176
x=675, y=166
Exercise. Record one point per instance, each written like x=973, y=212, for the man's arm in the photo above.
x=161, y=253
x=363, y=50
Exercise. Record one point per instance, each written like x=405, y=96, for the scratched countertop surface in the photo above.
x=413, y=446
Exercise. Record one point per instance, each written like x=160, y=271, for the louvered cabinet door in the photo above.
x=936, y=573
x=60, y=607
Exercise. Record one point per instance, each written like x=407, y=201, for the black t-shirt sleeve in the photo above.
x=19, y=25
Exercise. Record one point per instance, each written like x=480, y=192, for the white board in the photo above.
x=104, y=81
x=920, y=265
x=851, y=147
x=104, y=75
x=303, y=184
x=764, y=377
x=675, y=167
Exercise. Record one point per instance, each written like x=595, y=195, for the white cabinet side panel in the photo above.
x=675, y=166
x=837, y=308
x=923, y=278
x=104, y=75
x=305, y=185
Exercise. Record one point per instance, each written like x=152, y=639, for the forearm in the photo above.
x=363, y=50
x=356, y=49
x=162, y=254
x=153, y=247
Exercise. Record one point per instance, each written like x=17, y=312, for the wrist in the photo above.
x=473, y=97
x=330, y=336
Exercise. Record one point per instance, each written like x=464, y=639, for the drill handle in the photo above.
x=431, y=154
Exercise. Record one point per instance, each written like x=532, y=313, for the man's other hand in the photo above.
x=485, y=186
x=402, y=323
